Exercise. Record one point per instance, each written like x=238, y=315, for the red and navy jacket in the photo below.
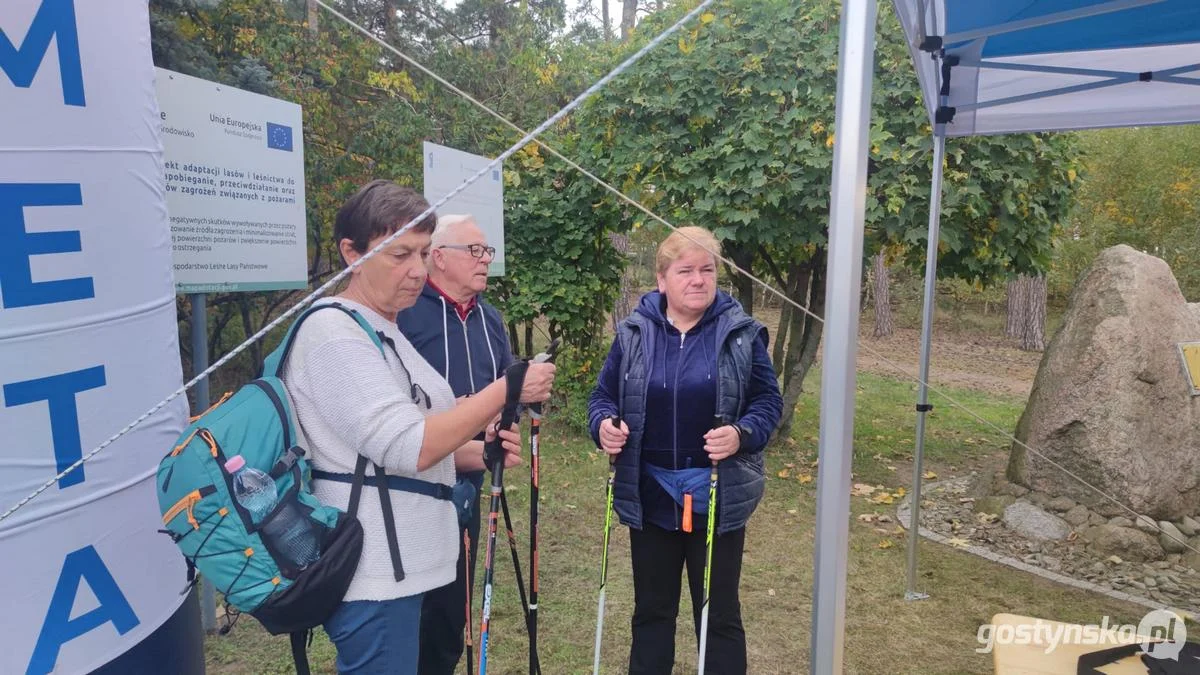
x=470, y=351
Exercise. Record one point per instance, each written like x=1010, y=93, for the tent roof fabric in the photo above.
x=1053, y=65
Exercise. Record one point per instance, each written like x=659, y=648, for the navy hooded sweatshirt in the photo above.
x=681, y=400
x=470, y=353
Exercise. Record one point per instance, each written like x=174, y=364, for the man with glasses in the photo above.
x=463, y=338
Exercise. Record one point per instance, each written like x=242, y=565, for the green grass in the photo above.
x=885, y=424
x=884, y=632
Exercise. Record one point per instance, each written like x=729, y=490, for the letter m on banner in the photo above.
x=21, y=59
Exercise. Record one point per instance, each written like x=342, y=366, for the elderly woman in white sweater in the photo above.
x=399, y=413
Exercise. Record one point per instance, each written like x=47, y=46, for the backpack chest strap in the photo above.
x=397, y=483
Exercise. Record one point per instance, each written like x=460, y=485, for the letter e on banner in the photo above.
x=17, y=287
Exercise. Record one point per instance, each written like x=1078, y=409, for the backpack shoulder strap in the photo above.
x=299, y=641
x=274, y=363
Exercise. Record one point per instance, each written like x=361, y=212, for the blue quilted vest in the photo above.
x=740, y=479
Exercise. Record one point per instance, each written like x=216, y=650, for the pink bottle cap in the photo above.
x=235, y=464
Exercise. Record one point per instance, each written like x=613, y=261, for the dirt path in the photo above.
x=959, y=357
x=963, y=359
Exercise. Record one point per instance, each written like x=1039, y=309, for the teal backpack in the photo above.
x=217, y=535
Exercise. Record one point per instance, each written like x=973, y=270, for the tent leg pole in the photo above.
x=856, y=57
x=931, y=255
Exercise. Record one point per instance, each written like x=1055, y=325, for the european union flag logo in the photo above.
x=279, y=137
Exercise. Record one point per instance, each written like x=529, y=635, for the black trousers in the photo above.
x=659, y=557
x=444, y=612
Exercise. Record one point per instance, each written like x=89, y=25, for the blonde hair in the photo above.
x=683, y=240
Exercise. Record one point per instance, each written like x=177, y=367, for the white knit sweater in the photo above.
x=347, y=401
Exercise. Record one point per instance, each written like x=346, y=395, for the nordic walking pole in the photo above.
x=512, y=545
x=526, y=607
x=718, y=421
x=608, y=511
x=535, y=425
x=470, y=637
x=493, y=456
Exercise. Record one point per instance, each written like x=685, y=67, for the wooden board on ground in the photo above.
x=1063, y=659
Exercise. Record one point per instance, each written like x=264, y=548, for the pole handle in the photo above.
x=718, y=422
x=550, y=354
x=616, y=422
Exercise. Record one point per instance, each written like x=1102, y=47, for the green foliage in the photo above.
x=568, y=268
x=574, y=381
x=1005, y=202
x=732, y=127
x=1141, y=189
x=560, y=264
x=366, y=115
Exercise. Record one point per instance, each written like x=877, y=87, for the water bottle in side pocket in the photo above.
x=289, y=531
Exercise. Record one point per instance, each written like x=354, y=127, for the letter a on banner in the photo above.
x=82, y=566
x=88, y=343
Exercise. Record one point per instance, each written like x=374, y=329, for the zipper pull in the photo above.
x=687, y=512
x=191, y=511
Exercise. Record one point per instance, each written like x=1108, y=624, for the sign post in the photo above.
x=199, y=331
x=235, y=193
x=235, y=187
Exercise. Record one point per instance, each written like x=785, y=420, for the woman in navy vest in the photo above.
x=687, y=355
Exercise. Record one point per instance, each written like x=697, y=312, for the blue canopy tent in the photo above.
x=985, y=67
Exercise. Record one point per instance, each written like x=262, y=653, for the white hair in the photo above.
x=445, y=224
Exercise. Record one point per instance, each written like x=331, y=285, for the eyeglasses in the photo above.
x=476, y=250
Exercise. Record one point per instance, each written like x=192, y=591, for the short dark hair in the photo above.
x=380, y=208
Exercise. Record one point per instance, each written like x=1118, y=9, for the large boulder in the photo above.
x=1110, y=402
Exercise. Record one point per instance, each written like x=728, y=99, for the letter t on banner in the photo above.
x=59, y=393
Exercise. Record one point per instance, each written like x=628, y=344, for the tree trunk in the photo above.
x=628, y=17
x=514, y=341
x=389, y=21
x=781, y=335
x=216, y=330
x=809, y=343
x=604, y=18
x=1016, y=312
x=1033, y=333
x=883, y=300
x=623, y=306
x=797, y=319
x=791, y=287
x=743, y=258
x=529, y=339
x=314, y=13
